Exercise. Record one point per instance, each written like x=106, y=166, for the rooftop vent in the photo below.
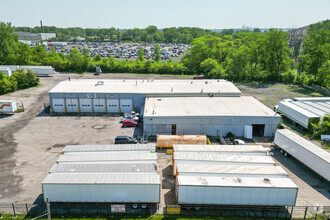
x=99, y=83
x=159, y=99
x=266, y=180
x=202, y=91
x=206, y=82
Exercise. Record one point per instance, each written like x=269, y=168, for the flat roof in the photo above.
x=229, y=169
x=188, y=156
x=110, y=147
x=96, y=157
x=235, y=182
x=305, y=144
x=129, y=86
x=103, y=168
x=206, y=106
x=219, y=148
x=79, y=178
x=312, y=107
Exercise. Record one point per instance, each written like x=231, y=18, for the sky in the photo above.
x=210, y=14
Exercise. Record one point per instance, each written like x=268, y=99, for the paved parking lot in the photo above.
x=30, y=143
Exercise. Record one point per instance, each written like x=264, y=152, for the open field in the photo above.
x=30, y=142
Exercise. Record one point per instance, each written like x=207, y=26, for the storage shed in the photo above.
x=303, y=110
x=210, y=190
x=111, y=148
x=114, y=96
x=208, y=115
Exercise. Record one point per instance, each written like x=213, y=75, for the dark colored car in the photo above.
x=130, y=123
x=125, y=140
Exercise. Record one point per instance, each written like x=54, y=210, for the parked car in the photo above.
x=130, y=123
x=125, y=140
x=133, y=115
x=239, y=142
x=126, y=118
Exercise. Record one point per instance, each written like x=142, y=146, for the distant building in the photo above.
x=27, y=36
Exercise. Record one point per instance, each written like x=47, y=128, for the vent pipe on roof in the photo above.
x=171, y=89
x=135, y=82
x=191, y=82
x=202, y=91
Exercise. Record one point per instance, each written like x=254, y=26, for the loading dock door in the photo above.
x=258, y=130
x=99, y=105
x=126, y=105
x=85, y=105
x=173, y=129
x=71, y=105
x=58, y=105
x=113, y=105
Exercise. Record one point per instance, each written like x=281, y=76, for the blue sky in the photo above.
x=165, y=13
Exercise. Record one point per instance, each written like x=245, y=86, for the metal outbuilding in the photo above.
x=303, y=110
x=114, y=96
x=230, y=170
x=105, y=168
x=209, y=190
x=256, y=150
x=110, y=148
x=208, y=115
x=107, y=188
x=8, y=106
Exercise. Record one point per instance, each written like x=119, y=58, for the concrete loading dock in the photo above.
x=106, y=168
x=209, y=115
x=119, y=96
x=111, y=148
x=230, y=170
x=253, y=150
x=108, y=188
x=201, y=190
x=114, y=158
x=303, y=110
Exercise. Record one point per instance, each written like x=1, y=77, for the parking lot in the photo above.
x=30, y=143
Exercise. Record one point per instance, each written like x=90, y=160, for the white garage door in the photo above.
x=58, y=105
x=125, y=105
x=99, y=105
x=71, y=105
x=113, y=105
x=85, y=105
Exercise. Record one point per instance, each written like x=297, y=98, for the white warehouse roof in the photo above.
x=206, y=106
x=83, y=178
x=235, y=181
x=148, y=87
x=109, y=148
x=219, y=148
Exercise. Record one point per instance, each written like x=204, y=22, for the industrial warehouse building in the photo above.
x=242, y=116
x=304, y=110
x=120, y=96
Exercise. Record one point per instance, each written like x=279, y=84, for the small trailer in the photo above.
x=40, y=70
x=8, y=106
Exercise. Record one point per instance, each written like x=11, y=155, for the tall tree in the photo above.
x=8, y=43
x=140, y=54
x=157, y=54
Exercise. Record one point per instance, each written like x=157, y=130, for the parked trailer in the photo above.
x=151, y=168
x=170, y=140
x=109, y=158
x=306, y=152
x=208, y=190
x=220, y=159
x=230, y=170
x=256, y=150
x=11, y=67
x=6, y=71
x=8, y=106
x=129, y=148
x=40, y=70
x=102, y=188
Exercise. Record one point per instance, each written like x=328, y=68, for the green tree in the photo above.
x=140, y=54
x=157, y=54
x=8, y=44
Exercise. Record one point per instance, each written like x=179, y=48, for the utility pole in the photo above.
x=48, y=209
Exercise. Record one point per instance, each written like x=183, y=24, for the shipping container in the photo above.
x=102, y=188
x=220, y=159
x=109, y=158
x=230, y=170
x=209, y=190
x=8, y=106
x=131, y=148
x=303, y=150
x=106, y=168
x=256, y=150
x=170, y=140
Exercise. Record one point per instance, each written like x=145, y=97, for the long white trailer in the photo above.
x=303, y=150
x=102, y=188
x=8, y=106
x=125, y=148
x=201, y=190
x=40, y=70
x=6, y=71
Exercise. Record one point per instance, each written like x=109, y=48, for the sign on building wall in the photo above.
x=91, y=95
x=118, y=208
x=173, y=209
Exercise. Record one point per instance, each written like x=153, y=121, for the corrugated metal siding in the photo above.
x=220, y=148
x=111, y=147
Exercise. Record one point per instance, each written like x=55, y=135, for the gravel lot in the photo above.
x=30, y=143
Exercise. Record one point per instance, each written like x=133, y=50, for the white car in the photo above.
x=239, y=142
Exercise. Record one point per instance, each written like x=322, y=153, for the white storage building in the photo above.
x=114, y=96
x=303, y=110
x=8, y=106
x=242, y=116
x=201, y=190
x=111, y=148
x=230, y=170
x=6, y=71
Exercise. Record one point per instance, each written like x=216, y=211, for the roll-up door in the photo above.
x=113, y=105
x=99, y=105
x=125, y=105
x=85, y=105
x=71, y=105
x=58, y=105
